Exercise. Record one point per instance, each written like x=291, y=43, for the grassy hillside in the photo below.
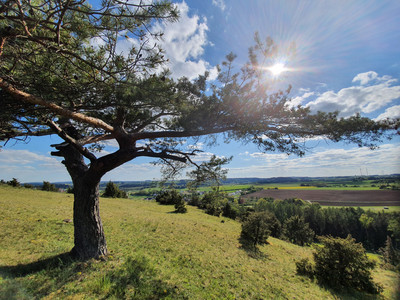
x=154, y=254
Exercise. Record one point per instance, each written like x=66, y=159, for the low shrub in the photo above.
x=180, y=207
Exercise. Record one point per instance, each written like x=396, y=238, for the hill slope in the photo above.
x=154, y=254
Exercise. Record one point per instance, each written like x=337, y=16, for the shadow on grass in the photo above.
x=55, y=262
x=350, y=294
x=346, y=293
x=253, y=252
x=136, y=278
x=48, y=275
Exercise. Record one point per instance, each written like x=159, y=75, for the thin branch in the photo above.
x=60, y=20
x=163, y=155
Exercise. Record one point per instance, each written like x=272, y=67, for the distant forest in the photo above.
x=125, y=185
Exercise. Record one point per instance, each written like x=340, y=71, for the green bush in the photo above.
x=112, y=191
x=49, y=187
x=256, y=229
x=169, y=197
x=341, y=263
x=212, y=203
x=230, y=211
x=14, y=182
x=180, y=207
x=297, y=231
x=194, y=199
x=28, y=186
x=304, y=267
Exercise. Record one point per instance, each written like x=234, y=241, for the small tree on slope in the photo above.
x=341, y=263
x=60, y=74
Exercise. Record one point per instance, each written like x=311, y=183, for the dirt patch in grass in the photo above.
x=335, y=198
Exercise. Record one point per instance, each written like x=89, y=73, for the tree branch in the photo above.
x=162, y=154
x=85, y=152
x=28, y=98
x=175, y=134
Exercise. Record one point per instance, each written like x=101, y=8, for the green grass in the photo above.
x=154, y=254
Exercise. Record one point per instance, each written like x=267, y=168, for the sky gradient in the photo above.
x=346, y=58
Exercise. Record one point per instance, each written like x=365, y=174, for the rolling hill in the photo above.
x=154, y=254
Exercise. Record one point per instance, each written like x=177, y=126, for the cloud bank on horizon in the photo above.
x=206, y=32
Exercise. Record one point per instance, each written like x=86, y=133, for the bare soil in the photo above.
x=335, y=198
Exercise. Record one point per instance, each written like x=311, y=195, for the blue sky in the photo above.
x=347, y=58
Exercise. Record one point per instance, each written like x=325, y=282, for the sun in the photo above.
x=277, y=69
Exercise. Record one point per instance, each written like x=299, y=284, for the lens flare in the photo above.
x=277, y=69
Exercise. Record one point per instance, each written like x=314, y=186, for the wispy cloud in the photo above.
x=220, y=4
x=30, y=166
x=372, y=93
x=329, y=162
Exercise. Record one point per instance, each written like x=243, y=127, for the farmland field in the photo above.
x=335, y=197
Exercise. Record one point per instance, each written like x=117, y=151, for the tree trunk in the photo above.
x=89, y=236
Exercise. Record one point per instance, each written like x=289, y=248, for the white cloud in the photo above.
x=359, y=99
x=29, y=166
x=268, y=156
x=197, y=146
x=390, y=113
x=366, y=77
x=134, y=172
x=219, y=3
x=184, y=42
x=300, y=99
x=202, y=156
x=331, y=162
x=23, y=157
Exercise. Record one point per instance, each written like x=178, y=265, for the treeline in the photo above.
x=46, y=186
x=368, y=227
x=301, y=222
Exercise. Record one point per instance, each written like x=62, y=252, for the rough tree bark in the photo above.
x=89, y=236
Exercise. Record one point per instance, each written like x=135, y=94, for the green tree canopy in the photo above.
x=61, y=73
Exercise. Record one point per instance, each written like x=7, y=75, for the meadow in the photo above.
x=154, y=254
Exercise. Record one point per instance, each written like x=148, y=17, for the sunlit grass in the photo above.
x=152, y=252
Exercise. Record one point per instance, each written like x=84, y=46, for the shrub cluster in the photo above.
x=172, y=197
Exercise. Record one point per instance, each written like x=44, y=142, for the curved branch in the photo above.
x=28, y=98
